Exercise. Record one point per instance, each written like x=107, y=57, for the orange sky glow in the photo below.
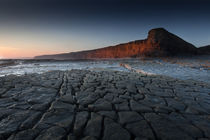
x=10, y=52
x=27, y=44
x=16, y=43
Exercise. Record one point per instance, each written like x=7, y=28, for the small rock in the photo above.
x=54, y=133
x=94, y=125
x=80, y=121
x=135, y=106
x=129, y=117
x=114, y=131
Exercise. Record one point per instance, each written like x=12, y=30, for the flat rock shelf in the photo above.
x=106, y=105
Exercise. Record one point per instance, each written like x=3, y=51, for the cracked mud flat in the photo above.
x=105, y=105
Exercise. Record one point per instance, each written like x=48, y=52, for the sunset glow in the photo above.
x=9, y=52
x=38, y=28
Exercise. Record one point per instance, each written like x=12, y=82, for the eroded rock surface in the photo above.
x=89, y=105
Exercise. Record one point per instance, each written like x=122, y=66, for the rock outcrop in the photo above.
x=159, y=42
x=106, y=105
x=204, y=50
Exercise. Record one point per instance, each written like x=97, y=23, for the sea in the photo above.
x=185, y=68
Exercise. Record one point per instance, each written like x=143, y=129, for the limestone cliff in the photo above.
x=204, y=50
x=159, y=42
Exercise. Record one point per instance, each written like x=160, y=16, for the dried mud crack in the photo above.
x=106, y=105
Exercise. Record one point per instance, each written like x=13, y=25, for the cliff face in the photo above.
x=158, y=43
x=164, y=43
x=204, y=50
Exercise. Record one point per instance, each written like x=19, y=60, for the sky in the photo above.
x=35, y=27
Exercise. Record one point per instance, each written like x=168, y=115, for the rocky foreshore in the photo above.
x=104, y=105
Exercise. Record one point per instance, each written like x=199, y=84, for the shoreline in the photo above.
x=153, y=67
x=98, y=70
x=101, y=59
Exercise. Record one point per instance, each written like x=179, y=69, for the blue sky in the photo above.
x=38, y=27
